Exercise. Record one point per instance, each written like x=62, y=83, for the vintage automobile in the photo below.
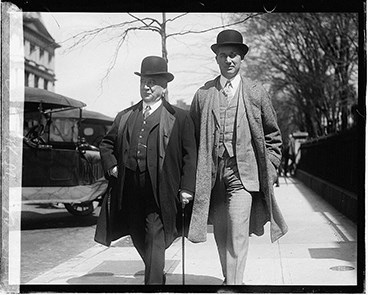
x=61, y=160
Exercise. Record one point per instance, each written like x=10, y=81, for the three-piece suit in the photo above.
x=156, y=158
x=239, y=148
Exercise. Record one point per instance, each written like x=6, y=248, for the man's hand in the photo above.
x=185, y=197
x=114, y=172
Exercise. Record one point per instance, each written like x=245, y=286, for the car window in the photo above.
x=64, y=130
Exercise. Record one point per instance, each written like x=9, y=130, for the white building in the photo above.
x=39, y=53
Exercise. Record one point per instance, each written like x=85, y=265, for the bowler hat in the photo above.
x=154, y=66
x=230, y=37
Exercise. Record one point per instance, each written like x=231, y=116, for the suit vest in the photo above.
x=142, y=129
x=227, y=124
x=248, y=167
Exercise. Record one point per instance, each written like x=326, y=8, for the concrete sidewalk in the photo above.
x=320, y=249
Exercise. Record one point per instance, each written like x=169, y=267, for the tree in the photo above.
x=311, y=62
x=145, y=24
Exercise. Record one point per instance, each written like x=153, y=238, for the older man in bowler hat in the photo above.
x=239, y=150
x=149, y=156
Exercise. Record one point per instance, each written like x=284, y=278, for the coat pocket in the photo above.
x=272, y=171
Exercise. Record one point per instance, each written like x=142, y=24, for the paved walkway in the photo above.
x=320, y=249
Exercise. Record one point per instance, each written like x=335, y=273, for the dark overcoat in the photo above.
x=173, y=170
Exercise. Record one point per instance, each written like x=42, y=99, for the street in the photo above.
x=50, y=236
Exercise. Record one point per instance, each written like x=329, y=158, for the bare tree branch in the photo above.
x=85, y=37
x=142, y=20
x=213, y=28
x=176, y=17
x=311, y=60
x=120, y=31
x=122, y=39
x=85, y=34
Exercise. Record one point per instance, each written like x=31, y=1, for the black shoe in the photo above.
x=164, y=280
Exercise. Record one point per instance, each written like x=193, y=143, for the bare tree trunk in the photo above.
x=164, y=49
x=163, y=37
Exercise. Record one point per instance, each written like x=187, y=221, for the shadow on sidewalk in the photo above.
x=131, y=272
x=343, y=251
x=109, y=278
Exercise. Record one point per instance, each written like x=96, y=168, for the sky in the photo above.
x=80, y=71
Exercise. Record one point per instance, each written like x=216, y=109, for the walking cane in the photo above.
x=183, y=240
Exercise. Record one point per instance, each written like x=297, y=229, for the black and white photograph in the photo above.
x=161, y=150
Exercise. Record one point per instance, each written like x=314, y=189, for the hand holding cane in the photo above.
x=185, y=198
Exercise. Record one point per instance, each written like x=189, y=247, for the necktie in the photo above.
x=228, y=90
x=146, y=112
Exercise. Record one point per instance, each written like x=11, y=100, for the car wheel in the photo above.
x=80, y=209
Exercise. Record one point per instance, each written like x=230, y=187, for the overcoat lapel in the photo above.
x=123, y=121
x=133, y=119
x=167, y=122
x=245, y=103
x=216, y=103
x=242, y=109
x=249, y=108
x=123, y=147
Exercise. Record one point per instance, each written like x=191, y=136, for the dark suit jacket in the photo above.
x=174, y=170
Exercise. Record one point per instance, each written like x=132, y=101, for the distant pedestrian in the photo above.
x=150, y=156
x=285, y=158
x=239, y=150
x=290, y=156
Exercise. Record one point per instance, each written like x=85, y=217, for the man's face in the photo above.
x=152, y=88
x=229, y=60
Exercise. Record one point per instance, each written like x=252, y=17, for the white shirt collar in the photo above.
x=154, y=105
x=234, y=81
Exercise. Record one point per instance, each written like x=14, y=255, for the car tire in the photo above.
x=80, y=209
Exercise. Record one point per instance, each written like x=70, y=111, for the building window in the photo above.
x=32, y=48
x=41, y=53
x=36, y=81
x=26, y=79
x=45, y=84
x=50, y=57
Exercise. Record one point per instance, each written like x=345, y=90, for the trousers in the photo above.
x=145, y=225
x=230, y=214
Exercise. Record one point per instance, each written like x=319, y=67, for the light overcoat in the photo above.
x=254, y=103
x=171, y=169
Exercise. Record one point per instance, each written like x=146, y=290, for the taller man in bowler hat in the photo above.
x=239, y=150
x=149, y=156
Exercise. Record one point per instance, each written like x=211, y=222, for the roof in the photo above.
x=33, y=21
x=50, y=100
x=87, y=116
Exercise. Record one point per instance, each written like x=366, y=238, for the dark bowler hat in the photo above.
x=230, y=37
x=153, y=66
